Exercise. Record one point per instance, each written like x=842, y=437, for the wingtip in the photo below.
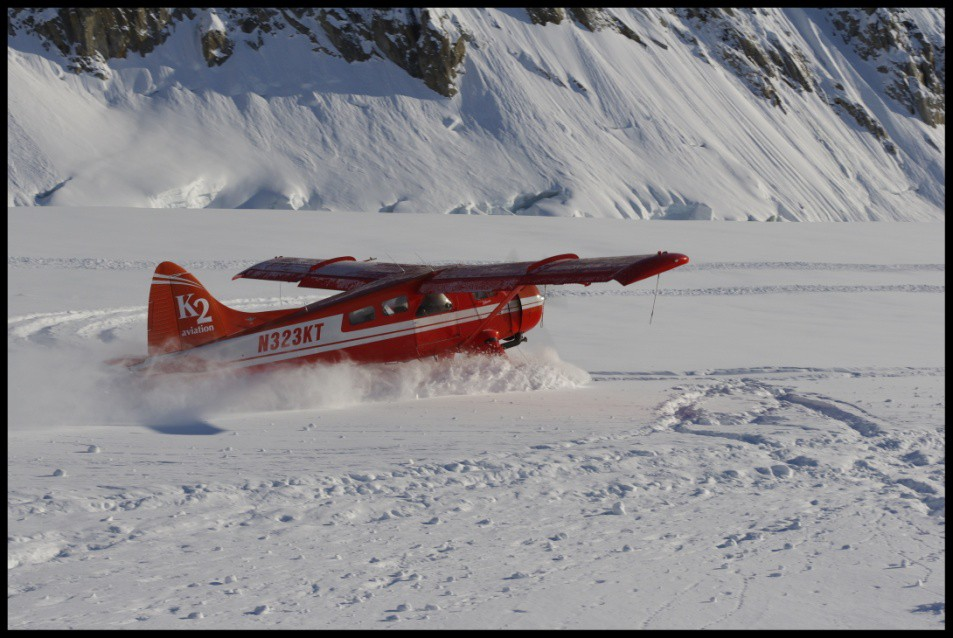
x=678, y=258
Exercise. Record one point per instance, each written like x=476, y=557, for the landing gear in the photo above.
x=488, y=342
x=515, y=340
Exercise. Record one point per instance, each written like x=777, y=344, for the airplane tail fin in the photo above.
x=183, y=315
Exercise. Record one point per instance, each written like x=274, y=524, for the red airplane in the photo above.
x=386, y=312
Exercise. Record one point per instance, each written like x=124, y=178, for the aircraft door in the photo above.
x=435, y=324
x=514, y=310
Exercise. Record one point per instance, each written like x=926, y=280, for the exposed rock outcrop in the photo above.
x=760, y=60
x=87, y=38
x=598, y=19
x=216, y=45
x=912, y=65
x=541, y=15
x=423, y=42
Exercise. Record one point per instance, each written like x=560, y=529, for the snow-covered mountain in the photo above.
x=793, y=114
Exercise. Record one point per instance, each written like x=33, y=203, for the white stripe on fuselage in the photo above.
x=243, y=351
x=158, y=279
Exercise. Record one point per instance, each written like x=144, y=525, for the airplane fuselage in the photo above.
x=386, y=312
x=394, y=323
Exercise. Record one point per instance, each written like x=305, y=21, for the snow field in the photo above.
x=749, y=460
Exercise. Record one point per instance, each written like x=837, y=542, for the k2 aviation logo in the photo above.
x=187, y=310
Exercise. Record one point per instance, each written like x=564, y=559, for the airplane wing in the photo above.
x=340, y=273
x=345, y=273
x=559, y=269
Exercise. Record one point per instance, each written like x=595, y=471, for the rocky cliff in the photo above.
x=422, y=44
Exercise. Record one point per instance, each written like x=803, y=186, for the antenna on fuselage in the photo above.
x=432, y=269
x=395, y=263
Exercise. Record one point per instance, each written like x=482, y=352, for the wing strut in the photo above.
x=513, y=293
x=496, y=311
x=509, y=297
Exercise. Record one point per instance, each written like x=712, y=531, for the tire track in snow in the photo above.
x=821, y=458
x=46, y=327
x=686, y=413
x=807, y=265
x=749, y=290
x=98, y=263
x=775, y=372
x=864, y=427
x=739, y=602
x=668, y=604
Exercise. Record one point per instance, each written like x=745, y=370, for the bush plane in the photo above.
x=385, y=312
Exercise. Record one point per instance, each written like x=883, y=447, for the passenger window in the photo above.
x=483, y=294
x=395, y=305
x=434, y=303
x=362, y=315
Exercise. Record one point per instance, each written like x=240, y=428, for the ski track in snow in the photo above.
x=776, y=372
x=103, y=323
x=750, y=290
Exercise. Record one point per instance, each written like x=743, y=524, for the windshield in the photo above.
x=395, y=305
x=433, y=304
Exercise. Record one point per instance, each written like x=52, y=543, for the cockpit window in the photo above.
x=434, y=303
x=395, y=305
x=483, y=294
x=362, y=315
